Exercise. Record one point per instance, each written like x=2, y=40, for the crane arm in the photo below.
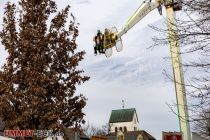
x=145, y=8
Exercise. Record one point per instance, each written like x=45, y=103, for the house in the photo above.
x=131, y=135
x=98, y=138
x=70, y=134
x=2, y=137
x=123, y=125
x=123, y=120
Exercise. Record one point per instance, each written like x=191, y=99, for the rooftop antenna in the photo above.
x=123, y=104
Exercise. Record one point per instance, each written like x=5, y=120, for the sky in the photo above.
x=134, y=75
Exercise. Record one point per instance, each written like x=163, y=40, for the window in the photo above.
x=125, y=129
x=116, y=129
x=135, y=129
x=121, y=129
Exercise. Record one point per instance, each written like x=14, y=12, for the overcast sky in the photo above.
x=134, y=75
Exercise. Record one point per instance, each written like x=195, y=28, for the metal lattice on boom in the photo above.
x=112, y=38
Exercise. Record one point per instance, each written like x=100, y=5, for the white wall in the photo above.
x=130, y=125
x=5, y=138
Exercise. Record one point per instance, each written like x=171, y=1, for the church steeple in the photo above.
x=123, y=120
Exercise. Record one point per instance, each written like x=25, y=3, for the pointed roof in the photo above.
x=132, y=135
x=122, y=115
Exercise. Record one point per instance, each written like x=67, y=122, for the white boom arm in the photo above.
x=140, y=13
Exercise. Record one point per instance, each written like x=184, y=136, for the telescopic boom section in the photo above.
x=140, y=13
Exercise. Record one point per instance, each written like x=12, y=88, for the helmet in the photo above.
x=106, y=31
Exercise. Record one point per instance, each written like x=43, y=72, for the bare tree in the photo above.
x=202, y=123
x=193, y=29
x=92, y=130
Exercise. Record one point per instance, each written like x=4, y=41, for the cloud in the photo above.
x=135, y=74
x=80, y=1
x=135, y=63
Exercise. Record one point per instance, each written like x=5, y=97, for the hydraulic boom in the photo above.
x=141, y=12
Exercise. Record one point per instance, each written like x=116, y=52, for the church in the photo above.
x=123, y=125
x=123, y=120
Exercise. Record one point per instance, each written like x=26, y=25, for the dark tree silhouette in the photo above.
x=38, y=81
